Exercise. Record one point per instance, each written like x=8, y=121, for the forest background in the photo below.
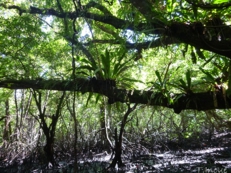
x=79, y=75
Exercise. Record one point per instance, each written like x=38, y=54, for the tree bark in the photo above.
x=50, y=135
x=195, y=101
x=119, y=140
x=49, y=131
x=117, y=151
x=49, y=149
x=7, y=128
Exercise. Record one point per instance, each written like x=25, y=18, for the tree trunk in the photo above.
x=7, y=128
x=118, y=141
x=118, y=152
x=49, y=132
x=50, y=136
x=49, y=149
x=103, y=126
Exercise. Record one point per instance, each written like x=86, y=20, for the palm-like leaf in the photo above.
x=186, y=85
x=109, y=67
x=188, y=78
x=106, y=62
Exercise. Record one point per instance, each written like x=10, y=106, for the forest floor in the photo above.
x=204, y=156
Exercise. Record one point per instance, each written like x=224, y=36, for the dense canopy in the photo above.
x=57, y=56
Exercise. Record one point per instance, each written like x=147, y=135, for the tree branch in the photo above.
x=93, y=4
x=145, y=7
x=187, y=34
x=143, y=45
x=184, y=33
x=195, y=101
x=108, y=19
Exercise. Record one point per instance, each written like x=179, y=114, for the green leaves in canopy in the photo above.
x=89, y=66
x=160, y=84
x=110, y=66
x=114, y=66
x=209, y=77
x=220, y=1
x=185, y=85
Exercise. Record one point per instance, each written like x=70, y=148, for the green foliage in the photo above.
x=160, y=85
x=193, y=56
x=186, y=85
x=220, y=1
x=209, y=77
x=112, y=65
x=39, y=46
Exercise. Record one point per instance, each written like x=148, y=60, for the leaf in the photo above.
x=82, y=72
x=106, y=64
x=188, y=78
x=200, y=54
x=98, y=72
x=195, y=10
x=209, y=60
x=89, y=97
x=210, y=77
x=158, y=76
x=89, y=63
x=220, y=1
x=120, y=68
x=183, y=84
x=120, y=71
x=194, y=58
x=86, y=67
x=98, y=96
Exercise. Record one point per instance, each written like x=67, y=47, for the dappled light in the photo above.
x=115, y=86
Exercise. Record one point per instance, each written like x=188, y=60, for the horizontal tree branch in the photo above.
x=186, y=33
x=142, y=45
x=195, y=101
x=108, y=19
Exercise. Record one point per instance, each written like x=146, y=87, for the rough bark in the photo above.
x=181, y=101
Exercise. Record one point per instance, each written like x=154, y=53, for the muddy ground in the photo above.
x=200, y=156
